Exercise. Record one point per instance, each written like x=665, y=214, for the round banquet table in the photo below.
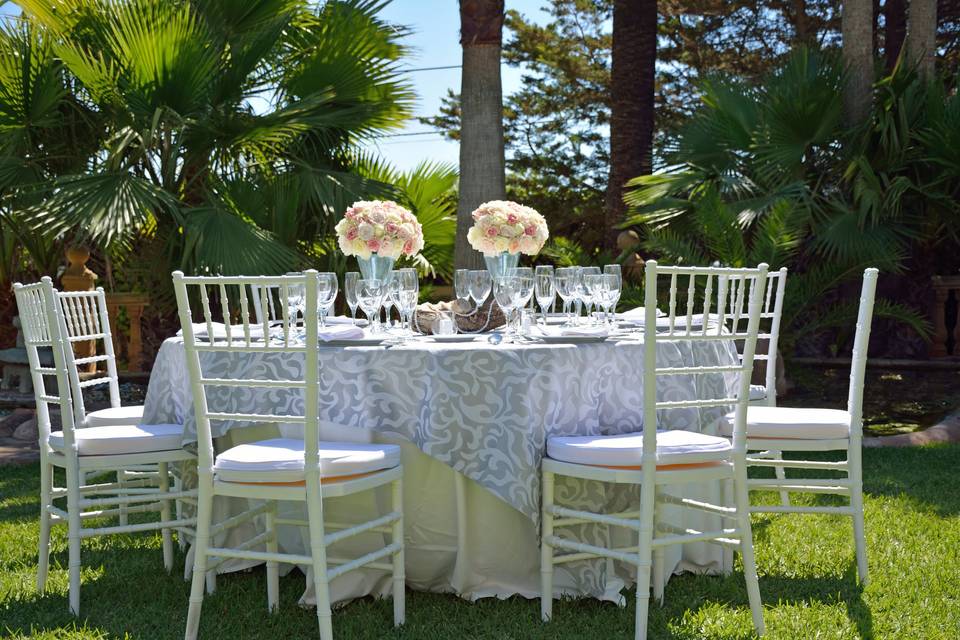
x=472, y=421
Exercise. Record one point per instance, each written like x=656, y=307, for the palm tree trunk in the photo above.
x=922, y=36
x=895, y=31
x=857, y=27
x=632, y=75
x=482, y=171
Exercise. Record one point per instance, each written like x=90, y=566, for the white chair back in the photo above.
x=36, y=304
x=242, y=337
x=858, y=360
x=273, y=302
x=85, y=318
x=770, y=317
x=711, y=286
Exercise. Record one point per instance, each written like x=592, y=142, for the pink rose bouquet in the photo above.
x=501, y=226
x=381, y=227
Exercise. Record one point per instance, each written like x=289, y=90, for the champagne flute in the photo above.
x=387, y=300
x=506, y=292
x=326, y=294
x=370, y=296
x=546, y=288
x=587, y=297
x=616, y=287
x=409, y=288
x=350, y=280
x=461, y=285
x=480, y=285
x=563, y=280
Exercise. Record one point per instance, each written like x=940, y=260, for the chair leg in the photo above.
x=399, y=575
x=644, y=558
x=73, y=535
x=273, y=567
x=318, y=551
x=856, y=505
x=546, y=550
x=122, y=481
x=746, y=544
x=726, y=489
x=781, y=474
x=165, y=509
x=43, y=564
x=659, y=580
x=201, y=543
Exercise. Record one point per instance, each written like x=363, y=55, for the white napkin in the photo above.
x=636, y=315
x=580, y=331
x=344, y=320
x=340, y=332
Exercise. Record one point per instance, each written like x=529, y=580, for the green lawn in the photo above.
x=806, y=577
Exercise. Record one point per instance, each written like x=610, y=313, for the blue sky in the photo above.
x=436, y=43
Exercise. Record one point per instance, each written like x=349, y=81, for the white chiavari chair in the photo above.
x=281, y=469
x=808, y=430
x=765, y=394
x=91, y=450
x=659, y=456
x=271, y=302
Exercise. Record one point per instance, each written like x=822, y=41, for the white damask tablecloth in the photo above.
x=480, y=410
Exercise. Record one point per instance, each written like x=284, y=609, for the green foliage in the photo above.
x=224, y=131
x=766, y=173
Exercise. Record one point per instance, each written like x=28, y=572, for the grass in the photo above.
x=806, y=567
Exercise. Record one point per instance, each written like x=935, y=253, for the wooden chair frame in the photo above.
x=45, y=326
x=653, y=533
x=262, y=486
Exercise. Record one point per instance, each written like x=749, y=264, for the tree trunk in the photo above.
x=482, y=171
x=805, y=34
x=895, y=17
x=632, y=85
x=857, y=27
x=922, y=36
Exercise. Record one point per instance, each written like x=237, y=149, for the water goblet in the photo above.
x=546, y=288
x=370, y=296
x=615, y=289
x=461, y=285
x=480, y=285
x=326, y=294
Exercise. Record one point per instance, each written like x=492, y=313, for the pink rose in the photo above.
x=512, y=218
x=492, y=232
x=531, y=230
x=408, y=247
x=373, y=245
x=352, y=234
x=392, y=228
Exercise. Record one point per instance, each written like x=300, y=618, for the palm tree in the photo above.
x=227, y=131
x=631, y=103
x=482, y=170
x=922, y=36
x=857, y=31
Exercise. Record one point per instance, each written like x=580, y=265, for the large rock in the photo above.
x=27, y=431
x=10, y=423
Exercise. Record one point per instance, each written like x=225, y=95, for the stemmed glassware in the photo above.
x=525, y=292
x=461, y=285
x=611, y=294
x=546, y=288
x=479, y=286
x=387, y=298
x=326, y=294
x=296, y=301
x=564, y=282
x=350, y=280
x=615, y=286
x=593, y=286
x=507, y=293
x=585, y=293
x=408, y=287
x=370, y=296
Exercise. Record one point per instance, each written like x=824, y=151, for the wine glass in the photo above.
x=326, y=294
x=370, y=296
x=563, y=280
x=587, y=298
x=524, y=272
x=611, y=289
x=387, y=299
x=506, y=291
x=350, y=280
x=576, y=291
x=461, y=285
x=615, y=286
x=296, y=301
x=480, y=285
x=409, y=293
x=593, y=284
x=525, y=292
x=546, y=288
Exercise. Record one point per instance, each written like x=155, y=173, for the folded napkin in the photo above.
x=220, y=331
x=636, y=315
x=340, y=332
x=344, y=320
x=573, y=332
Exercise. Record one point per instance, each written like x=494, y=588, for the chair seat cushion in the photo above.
x=111, y=416
x=792, y=423
x=283, y=460
x=122, y=439
x=673, y=447
x=758, y=392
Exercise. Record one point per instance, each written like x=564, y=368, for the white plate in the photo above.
x=454, y=337
x=572, y=339
x=356, y=342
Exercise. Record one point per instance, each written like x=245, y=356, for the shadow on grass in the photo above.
x=789, y=590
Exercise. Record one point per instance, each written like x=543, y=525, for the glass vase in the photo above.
x=376, y=267
x=500, y=264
